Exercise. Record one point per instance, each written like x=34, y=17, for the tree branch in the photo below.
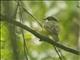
x=42, y=38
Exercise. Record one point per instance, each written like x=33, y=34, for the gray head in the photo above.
x=50, y=18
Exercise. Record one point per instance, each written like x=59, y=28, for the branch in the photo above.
x=42, y=38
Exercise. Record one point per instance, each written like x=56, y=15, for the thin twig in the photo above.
x=31, y=15
x=22, y=31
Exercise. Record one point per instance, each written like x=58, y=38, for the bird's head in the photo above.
x=50, y=18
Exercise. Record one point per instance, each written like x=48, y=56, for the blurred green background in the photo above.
x=18, y=44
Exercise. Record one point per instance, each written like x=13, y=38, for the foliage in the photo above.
x=19, y=44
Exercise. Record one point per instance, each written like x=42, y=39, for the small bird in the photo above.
x=51, y=24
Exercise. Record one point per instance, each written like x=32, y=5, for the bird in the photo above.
x=51, y=24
